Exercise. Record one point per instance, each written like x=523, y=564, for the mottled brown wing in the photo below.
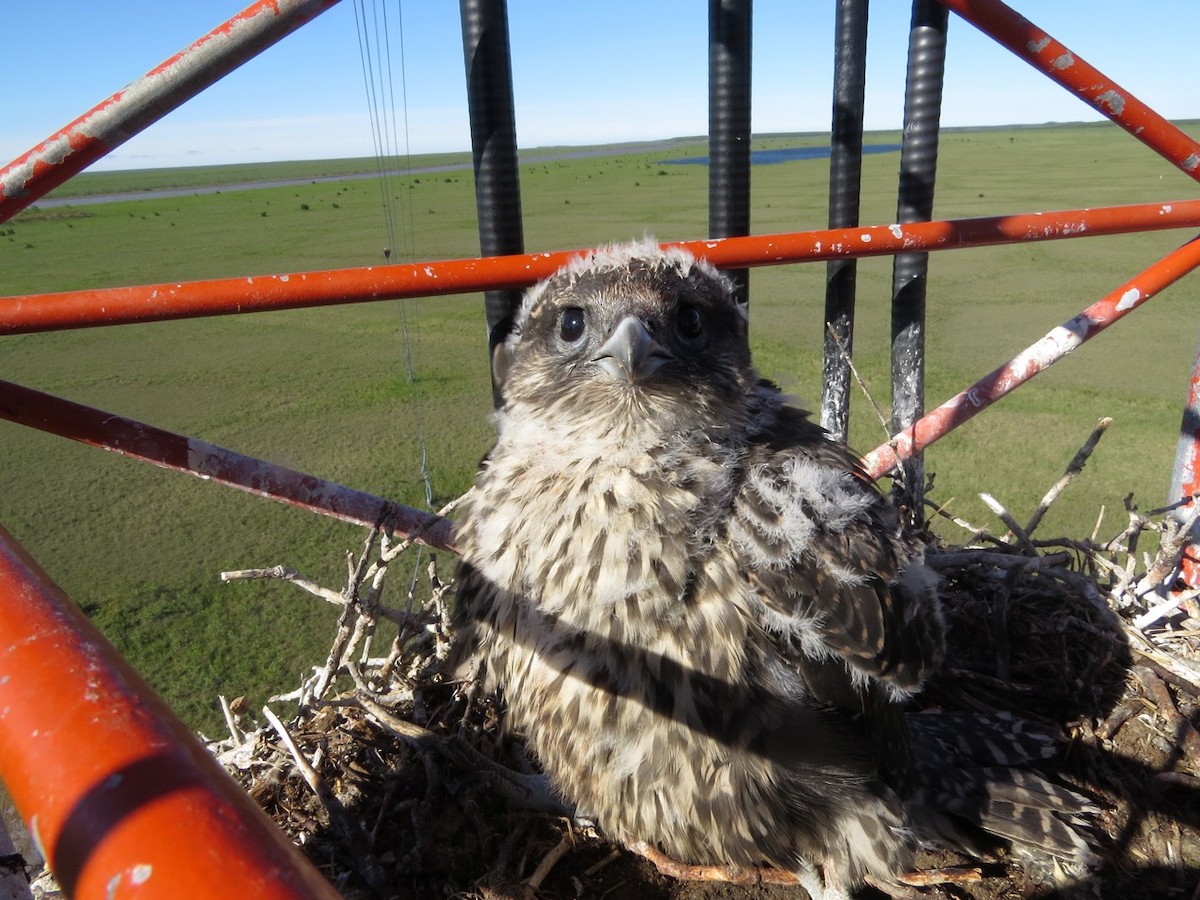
x=825, y=553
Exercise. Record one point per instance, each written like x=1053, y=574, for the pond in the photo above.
x=782, y=155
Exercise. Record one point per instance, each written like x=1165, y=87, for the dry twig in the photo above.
x=285, y=573
x=1006, y=517
x=1074, y=467
x=549, y=861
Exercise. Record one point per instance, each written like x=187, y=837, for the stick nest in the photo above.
x=397, y=781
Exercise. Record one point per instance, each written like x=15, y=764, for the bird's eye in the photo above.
x=689, y=322
x=571, y=324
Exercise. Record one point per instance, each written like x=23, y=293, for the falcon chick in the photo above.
x=703, y=618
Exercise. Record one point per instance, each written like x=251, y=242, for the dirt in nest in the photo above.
x=426, y=814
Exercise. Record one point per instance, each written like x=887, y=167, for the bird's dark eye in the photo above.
x=689, y=322
x=571, y=324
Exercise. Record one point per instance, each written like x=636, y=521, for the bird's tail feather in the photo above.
x=979, y=780
x=1034, y=814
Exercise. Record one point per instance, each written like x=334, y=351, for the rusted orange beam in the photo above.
x=1060, y=64
x=1185, y=476
x=121, y=798
x=137, y=440
x=1055, y=345
x=226, y=296
x=130, y=110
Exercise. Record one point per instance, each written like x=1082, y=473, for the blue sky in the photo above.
x=583, y=73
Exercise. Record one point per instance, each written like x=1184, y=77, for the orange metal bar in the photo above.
x=112, y=306
x=138, y=440
x=1059, y=64
x=122, y=800
x=1185, y=476
x=1051, y=348
x=132, y=109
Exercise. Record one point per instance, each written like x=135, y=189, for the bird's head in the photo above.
x=630, y=331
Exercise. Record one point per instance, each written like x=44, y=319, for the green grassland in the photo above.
x=140, y=180
x=325, y=390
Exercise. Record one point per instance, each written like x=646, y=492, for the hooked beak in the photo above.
x=630, y=353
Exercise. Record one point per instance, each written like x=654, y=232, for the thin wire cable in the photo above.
x=387, y=128
x=376, y=55
x=412, y=333
x=406, y=249
x=412, y=225
x=381, y=104
x=376, y=98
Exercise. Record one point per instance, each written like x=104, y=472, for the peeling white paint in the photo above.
x=865, y=238
x=1129, y=299
x=1062, y=340
x=897, y=231
x=1038, y=46
x=1064, y=62
x=141, y=873
x=283, y=278
x=1113, y=100
x=1166, y=209
x=1191, y=163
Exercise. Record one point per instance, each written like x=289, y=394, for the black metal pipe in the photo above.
x=918, y=171
x=845, y=190
x=729, y=58
x=493, y=147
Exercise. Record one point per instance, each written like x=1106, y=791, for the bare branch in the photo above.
x=549, y=861
x=1099, y=522
x=235, y=733
x=977, y=533
x=952, y=560
x=1176, y=538
x=1006, y=517
x=311, y=777
x=284, y=573
x=1074, y=467
x=1161, y=610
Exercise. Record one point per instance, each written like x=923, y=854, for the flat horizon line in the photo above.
x=646, y=142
